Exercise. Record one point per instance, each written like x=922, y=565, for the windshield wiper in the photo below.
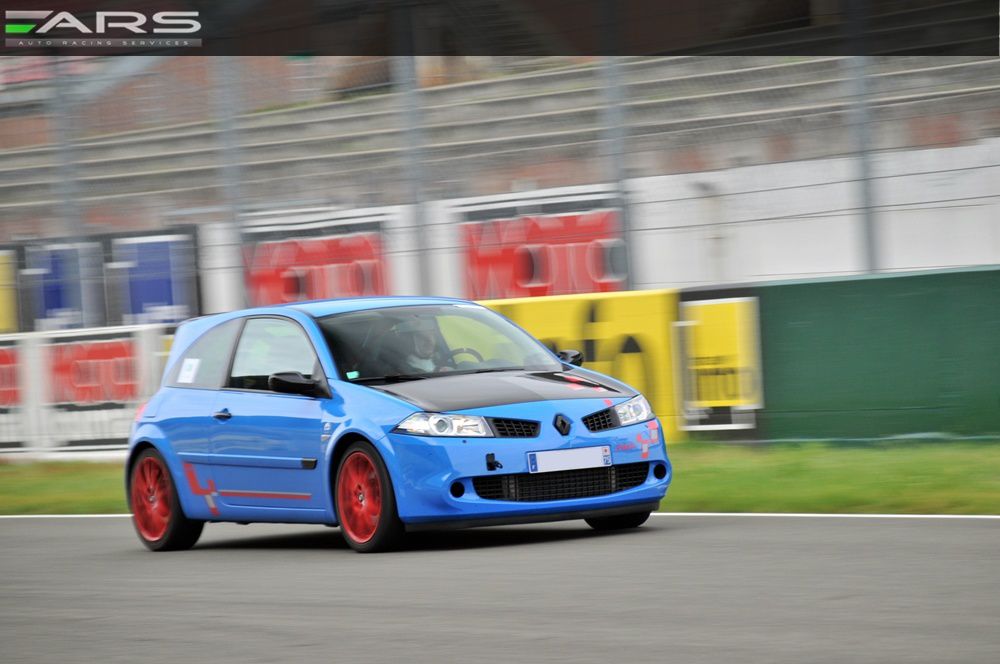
x=392, y=378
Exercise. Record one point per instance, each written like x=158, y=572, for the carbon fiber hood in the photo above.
x=466, y=391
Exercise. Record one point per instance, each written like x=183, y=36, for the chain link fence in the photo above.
x=137, y=192
x=717, y=168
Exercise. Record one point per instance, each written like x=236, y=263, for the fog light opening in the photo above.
x=659, y=471
x=457, y=489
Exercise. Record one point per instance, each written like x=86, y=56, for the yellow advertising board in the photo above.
x=8, y=292
x=624, y=335
x=720, y=360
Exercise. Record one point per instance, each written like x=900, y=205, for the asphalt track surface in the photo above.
x=680, y=589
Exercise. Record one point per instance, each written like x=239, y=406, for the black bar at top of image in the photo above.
x=508, y=27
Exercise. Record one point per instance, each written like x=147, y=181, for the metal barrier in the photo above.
x=77, y=388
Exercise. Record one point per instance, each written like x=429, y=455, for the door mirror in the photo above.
x=573, y=357
x=292, y=382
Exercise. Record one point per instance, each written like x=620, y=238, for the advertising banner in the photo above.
x=152, y=279
x=314, y=256
x=11, y=429
x=62, y=286
x=94, y=384
x=542, y=246
x=625, y=335
x=720, y=367
x=8, y=291
x=76, y=388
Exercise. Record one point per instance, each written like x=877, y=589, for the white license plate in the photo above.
x=581, y=457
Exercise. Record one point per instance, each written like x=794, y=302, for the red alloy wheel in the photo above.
x=359, y=494
x=151, y=499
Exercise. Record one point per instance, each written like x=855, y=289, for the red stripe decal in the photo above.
x=209, y=491
x=266, y=494
x=197, y=489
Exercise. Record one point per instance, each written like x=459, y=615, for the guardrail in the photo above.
x=77, y=388
x=856, y=358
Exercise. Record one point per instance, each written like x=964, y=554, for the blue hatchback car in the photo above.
x=384, y=415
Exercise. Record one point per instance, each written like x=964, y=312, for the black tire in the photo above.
x=361, y=533
x=618, y=522
x=159, y=520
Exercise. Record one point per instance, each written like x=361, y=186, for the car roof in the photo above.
x=320, y=308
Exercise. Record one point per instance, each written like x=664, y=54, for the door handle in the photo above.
x=223, y=414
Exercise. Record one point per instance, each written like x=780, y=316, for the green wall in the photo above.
x=880, y=356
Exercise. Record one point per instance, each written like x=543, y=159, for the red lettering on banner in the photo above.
x=541, y=255
x=93, y=372
x=9, y=393
x=315, y=268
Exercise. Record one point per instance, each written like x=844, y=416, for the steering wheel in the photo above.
x=470, y=351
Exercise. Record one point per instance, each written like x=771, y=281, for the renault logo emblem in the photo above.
x=562, y=424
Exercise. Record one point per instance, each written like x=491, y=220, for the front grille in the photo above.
x=602, y=420
x=563, y=484
x=508, y=428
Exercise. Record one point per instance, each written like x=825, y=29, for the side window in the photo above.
x=269, y=346
x=205, y=362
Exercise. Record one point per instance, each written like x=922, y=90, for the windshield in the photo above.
x=410, y=343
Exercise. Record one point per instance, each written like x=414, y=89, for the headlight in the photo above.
x=633, y=411
x=435, y=424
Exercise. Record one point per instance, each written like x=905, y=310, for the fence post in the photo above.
x=404, y=74
x=616, y=130
x=861, y=114
x=62, y=105
x=67, y=185
x=33, y=378
x=148, y=359
x=226, y=75
x=404, y=81
x=861, y=124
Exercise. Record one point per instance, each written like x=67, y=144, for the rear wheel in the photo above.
x=365, y=503
x=156, y=509
x=618, y=522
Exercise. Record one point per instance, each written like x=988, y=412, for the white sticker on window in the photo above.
x=188, y=370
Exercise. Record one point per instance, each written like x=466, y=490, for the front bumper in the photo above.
x=532, y=518
x=424, y=470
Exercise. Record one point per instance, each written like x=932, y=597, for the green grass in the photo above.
x=61, y=488
x=898, y=477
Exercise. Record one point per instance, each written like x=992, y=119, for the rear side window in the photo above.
x=269, y=346
x=204, y=364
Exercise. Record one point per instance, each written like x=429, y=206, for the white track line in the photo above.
x=783, y=515
x=63, y=516
x=799, y=515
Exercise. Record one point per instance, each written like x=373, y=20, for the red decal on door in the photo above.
x=209, y=491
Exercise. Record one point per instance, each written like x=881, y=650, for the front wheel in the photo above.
x=365, y=503
x=619, y=522
x=156, y=509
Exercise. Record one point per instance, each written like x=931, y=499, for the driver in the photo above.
x=420, y=339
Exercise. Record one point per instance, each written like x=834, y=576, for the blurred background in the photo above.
x=136, y=192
